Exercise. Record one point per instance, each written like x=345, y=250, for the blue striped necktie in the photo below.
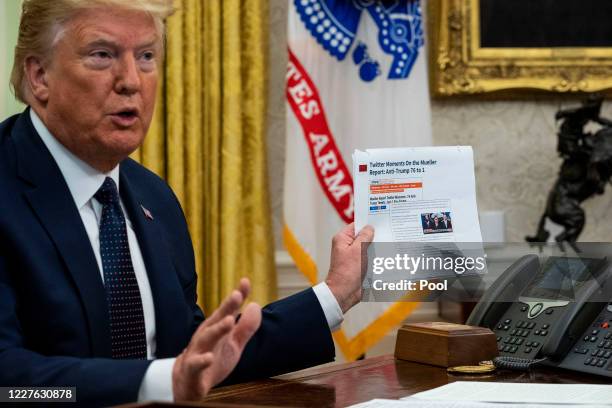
x=127, y=327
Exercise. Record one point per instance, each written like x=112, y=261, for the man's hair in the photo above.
x=43, y=21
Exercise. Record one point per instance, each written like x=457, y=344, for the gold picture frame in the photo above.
x=460, y=66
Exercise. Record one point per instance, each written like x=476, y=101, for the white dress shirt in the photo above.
x=83, y=182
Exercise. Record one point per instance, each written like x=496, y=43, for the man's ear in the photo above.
x=36, y=75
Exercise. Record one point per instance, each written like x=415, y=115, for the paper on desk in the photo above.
x=519, y=393
x=416, y=403
x=399, y=191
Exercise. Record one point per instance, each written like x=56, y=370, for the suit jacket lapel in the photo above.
x=52, y=203
x=165, y=287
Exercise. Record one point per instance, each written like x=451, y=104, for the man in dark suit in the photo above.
x=97, y=273
x=446, y=222
x=426, y=221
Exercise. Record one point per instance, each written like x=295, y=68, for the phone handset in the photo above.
x=577, y=316
x=507, y=287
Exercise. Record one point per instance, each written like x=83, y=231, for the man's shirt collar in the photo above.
x=83, y=180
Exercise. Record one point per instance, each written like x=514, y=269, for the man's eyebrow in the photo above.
x=150, y=43
x=101, y=41
x=108, y=42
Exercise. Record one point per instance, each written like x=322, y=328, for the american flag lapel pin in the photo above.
x=147, y=213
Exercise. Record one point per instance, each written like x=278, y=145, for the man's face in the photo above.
x=102, y=80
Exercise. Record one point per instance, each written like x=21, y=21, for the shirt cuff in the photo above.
x=330, y=306
x=156, y=384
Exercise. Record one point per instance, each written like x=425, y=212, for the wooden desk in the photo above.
x=379, y=377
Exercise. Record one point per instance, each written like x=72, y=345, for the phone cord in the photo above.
x=516, y=363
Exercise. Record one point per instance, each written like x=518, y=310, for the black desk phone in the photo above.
x=557, y=313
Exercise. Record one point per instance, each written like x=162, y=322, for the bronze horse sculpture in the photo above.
x=585, y=171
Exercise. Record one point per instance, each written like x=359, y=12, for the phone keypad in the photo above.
x=595, y=362
x=595, y=346
x=520, y=336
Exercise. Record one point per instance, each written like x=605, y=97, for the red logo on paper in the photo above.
x=363, y=168
x=327, y=162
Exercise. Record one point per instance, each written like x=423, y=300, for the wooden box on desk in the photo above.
x=445, y=344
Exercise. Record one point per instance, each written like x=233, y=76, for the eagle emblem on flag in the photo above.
x=334, y=24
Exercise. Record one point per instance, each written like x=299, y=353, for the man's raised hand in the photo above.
x=216, y=346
